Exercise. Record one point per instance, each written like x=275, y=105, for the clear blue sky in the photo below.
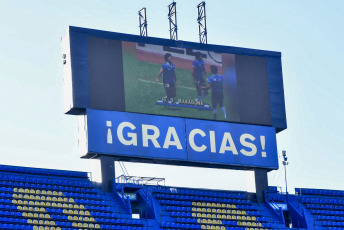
x=35, y=132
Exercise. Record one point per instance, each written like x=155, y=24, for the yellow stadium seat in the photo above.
x=204, y=215
x=76, y=212
x=91, y=219
x=36, y=222
x=204, y=204
x=38, y=191
x=203, y=227
x=248, y=218
x=41, y=209
x=41, y=228
x=14, y=201
x=21, y=190
x=218, y=205
x=253, y=218
x=58, y=228
x=30, y=214
x=71, y=200
x=253, y=224
x=60, y=193
x=204, y=210
x=55, y=193
x=15, y=195
x=82, y=206
x=243, y=213
x=91, y=225
x=15, y=189
x=208, y=215
x=213, y=205
x=26, y=190
x=199, y=215
x=223, y=228
x=239, y=212
x=233, y=206
x=229, y=211
x=198, y=204
x=224, y=211
x=97, y=226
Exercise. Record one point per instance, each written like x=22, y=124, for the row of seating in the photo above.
x=12, y=185
x=222, y=205
x=206, y=193
x=46, y=180
x=333, y=224
x=318, y=192
x=316, y=200
x=200, y=198
x=39, y=171
x=326, y=212
x=332, y=218
x=325, y=207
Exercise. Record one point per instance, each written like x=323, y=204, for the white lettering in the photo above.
x=228, y=138
x=250, y=145
x=153, y=137
x=192, y=141
x=171, y=132
x=212, y=141
x=133, y=136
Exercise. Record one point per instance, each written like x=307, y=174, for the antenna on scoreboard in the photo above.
x=172, y=18
x=143, y=22
x=202, y=23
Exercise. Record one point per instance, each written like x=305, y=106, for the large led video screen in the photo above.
x=127, y=73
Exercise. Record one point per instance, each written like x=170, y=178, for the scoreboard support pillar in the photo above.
x=261, y=179
x=107, y=167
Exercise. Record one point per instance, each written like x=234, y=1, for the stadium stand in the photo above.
x=45, y=199
x=41, y=199
x=327, y=206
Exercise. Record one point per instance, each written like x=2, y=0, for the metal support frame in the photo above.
x=172, y=18
x=143, y=22
x=285, y=163
x=202, y=23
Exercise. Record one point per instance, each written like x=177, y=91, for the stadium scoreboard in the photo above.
x=155, y=100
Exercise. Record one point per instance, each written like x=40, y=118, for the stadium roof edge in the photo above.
x=173, y=43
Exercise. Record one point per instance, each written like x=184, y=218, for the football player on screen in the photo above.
x=198, y=75
x=169, y=78
x=215, y=82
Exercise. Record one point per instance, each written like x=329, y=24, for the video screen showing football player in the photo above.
x=169, y=78
x=198, y=75
x=215, y=82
